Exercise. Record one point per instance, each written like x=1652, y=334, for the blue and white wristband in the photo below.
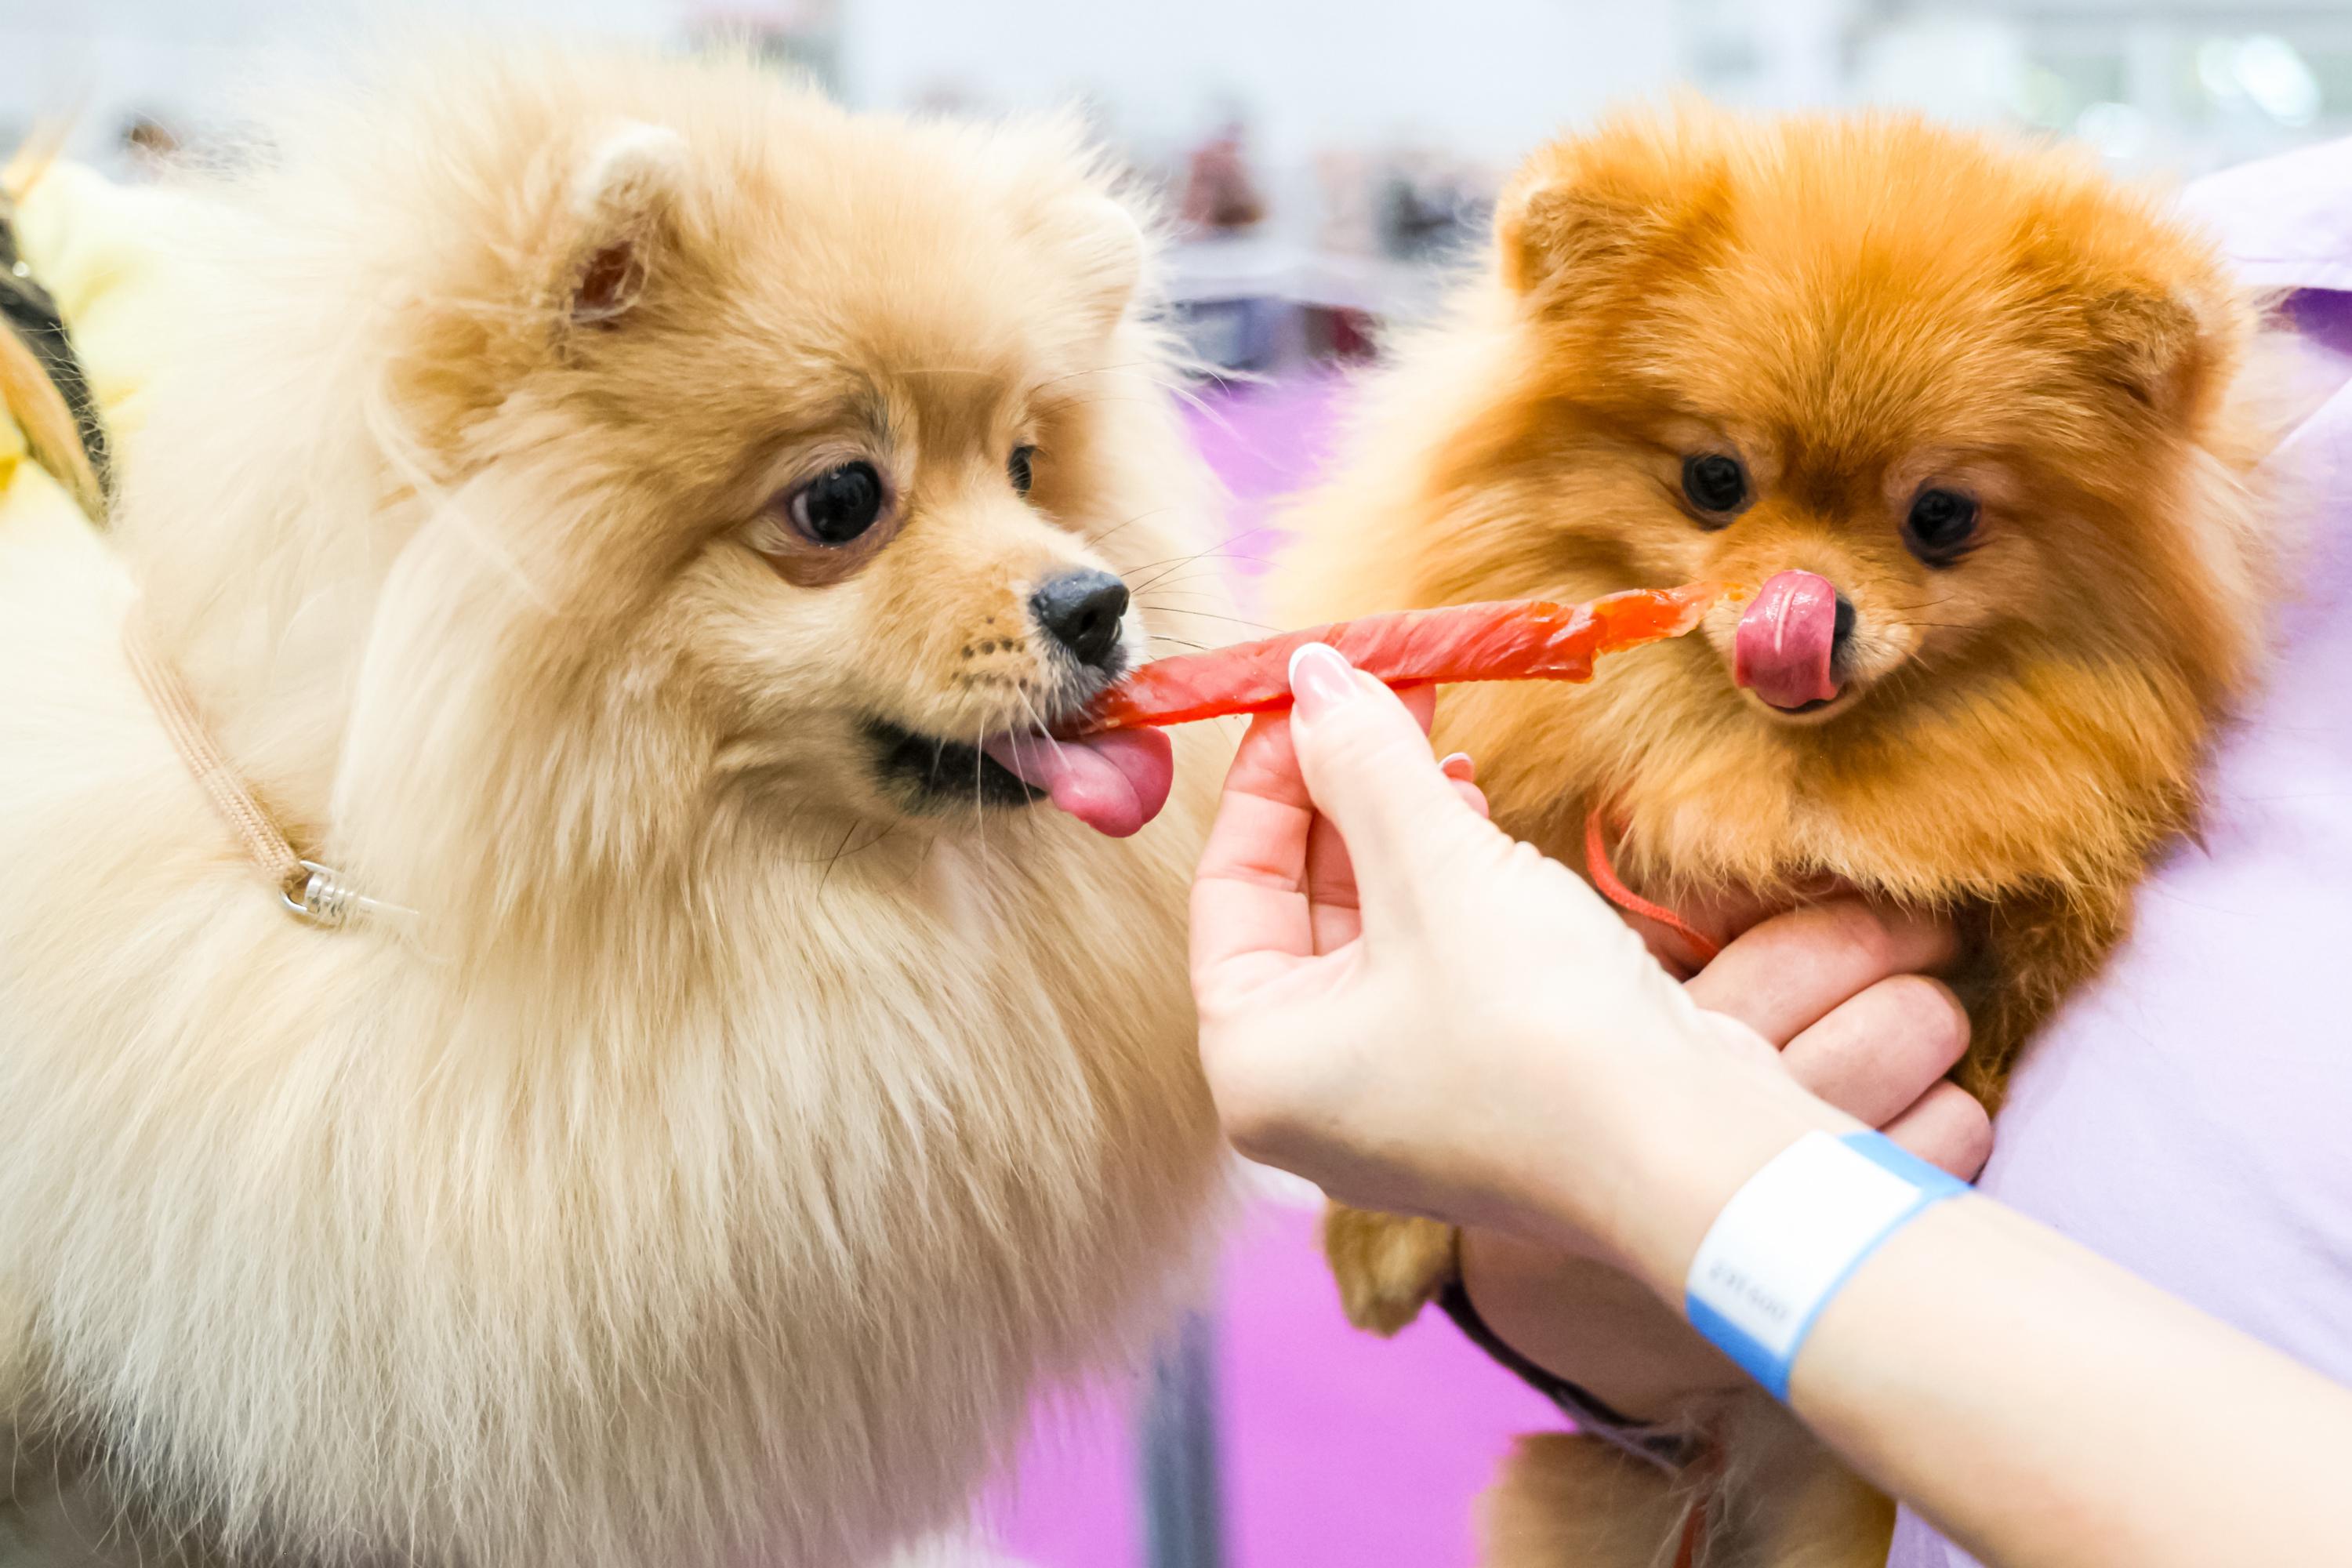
x=1792, y=1237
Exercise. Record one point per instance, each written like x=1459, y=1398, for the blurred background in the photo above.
x=1324, y=159
x=1324, y=155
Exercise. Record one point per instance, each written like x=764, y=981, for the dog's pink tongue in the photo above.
x=1113, y=783
x=1782, y=649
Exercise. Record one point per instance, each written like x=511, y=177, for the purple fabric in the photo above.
x=1265, y=441
x=1337, y=1447
x=2186, y=1116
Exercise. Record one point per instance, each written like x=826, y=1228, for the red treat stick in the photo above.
x=1509, y=639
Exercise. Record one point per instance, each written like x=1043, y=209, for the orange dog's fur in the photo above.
x=1856, y=309
x=742, y=1130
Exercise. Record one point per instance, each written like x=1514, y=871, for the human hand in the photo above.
x=1843, y=989
x=1423, y=1016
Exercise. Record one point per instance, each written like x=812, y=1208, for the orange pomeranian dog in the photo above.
x=635, y=517
x=1974, y=421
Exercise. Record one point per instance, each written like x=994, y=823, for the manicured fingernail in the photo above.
x=1320, y=678
x=1458, y=765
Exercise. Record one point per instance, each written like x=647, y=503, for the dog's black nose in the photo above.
x=1843, y=632
x=1081, y=611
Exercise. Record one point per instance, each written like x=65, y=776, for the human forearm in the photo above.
x=2029, y=1398
x=1841, y=989
x=2045, y=1407
x=1404, y=1006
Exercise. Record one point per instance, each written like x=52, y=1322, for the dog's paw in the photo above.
x=1388, y=1267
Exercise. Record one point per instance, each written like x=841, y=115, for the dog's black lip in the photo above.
x=939, y=771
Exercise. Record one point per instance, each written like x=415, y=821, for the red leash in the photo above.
x=1706, y=1471
x=1604, y=877
x=1694, y=1534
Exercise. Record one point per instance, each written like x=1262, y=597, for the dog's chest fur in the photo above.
x=761, y=1253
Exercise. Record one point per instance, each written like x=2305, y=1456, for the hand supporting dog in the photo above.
x=1396, y=1046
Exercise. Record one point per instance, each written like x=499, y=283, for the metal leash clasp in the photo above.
x=322, y=898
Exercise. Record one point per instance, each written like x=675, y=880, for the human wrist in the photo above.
x=1691, y=1136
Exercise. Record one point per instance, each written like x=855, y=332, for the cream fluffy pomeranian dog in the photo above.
x=623, y=513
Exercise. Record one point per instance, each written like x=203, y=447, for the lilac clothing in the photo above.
x=2190, y=1115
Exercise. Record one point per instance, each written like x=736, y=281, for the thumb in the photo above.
x=1369, y=769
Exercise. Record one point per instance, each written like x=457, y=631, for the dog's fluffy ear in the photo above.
x=2147, y=311
x=1098, y=244
x=1546, y=225
x=1641, y=190
x=1110, y=252
x=1066, y=200
x=617, y=208
x=2160, y=349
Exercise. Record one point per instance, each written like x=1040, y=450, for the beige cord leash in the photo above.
x=315, y=892
x=44, y=387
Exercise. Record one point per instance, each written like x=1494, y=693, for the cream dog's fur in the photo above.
x=742, y=1130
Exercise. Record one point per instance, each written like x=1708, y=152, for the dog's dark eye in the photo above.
x=1940, y=525
x=836, y=507
x=1714, y=483
x=1016, y=468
